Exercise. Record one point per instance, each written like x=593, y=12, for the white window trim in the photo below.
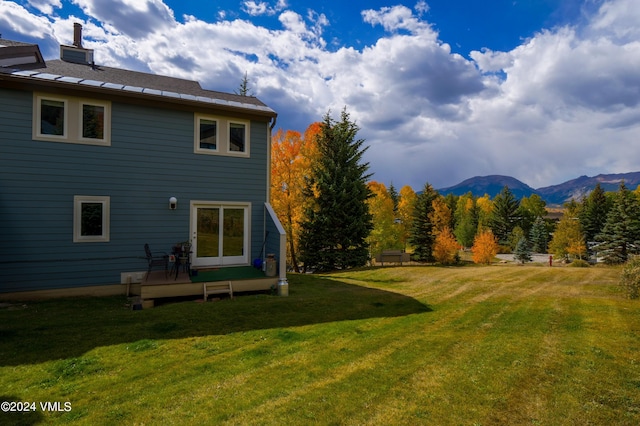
x=72, y=120
x=223, y=131
x=106, y=140
x=78, y=200
x=37, y=121
x=247, y=128
x=197, y=147
x=220, y=260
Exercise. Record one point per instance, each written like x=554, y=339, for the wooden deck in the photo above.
x=159, y=286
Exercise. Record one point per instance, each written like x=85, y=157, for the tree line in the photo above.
x=336, y=217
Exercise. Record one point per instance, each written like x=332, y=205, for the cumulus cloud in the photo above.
x=258, y=8
x=135, y=18
x=395, y=18
x=566, y=102
x=46, y=6
x=15, y=19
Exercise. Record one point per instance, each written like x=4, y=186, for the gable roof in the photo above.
x=117, y=81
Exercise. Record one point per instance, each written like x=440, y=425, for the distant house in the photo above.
x=90, y=157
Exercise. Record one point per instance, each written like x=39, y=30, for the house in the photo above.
x=96, y=161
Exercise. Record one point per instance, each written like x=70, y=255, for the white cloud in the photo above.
x=394, y=18
x=255, y=8
x=135, y=18
x=619, y=18
x=564, y=103
x=16, y=19
x=422, y=7
x=46, y=6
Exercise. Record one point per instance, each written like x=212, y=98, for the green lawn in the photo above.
x=516, y=345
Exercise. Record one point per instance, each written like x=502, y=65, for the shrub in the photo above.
x=630, y=279
x=579, y=263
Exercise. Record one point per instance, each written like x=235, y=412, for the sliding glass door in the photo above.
x=219, y=234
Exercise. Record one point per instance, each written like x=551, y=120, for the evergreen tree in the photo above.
x=451, y=201
x=539, y=236
x=244, y=89
x=593, y=214
x=522, y=252
x=337, y=221
x=620, y=236
x=422, y=236
x=395, y=197
x=505, y=215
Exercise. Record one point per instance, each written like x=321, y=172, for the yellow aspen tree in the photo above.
x=384, y=234
x=568, y=238
x=485, y=208
x=485, y=247
x=406, y=207
x=440, y=216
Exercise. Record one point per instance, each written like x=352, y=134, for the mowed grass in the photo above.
x=516, y=345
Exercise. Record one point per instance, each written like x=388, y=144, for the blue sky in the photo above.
x=443, y=90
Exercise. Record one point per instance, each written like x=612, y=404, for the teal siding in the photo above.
x=150, y=159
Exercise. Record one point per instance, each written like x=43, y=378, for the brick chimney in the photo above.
x=76, y=53
x=77, y=35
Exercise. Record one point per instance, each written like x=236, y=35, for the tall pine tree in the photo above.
x=620, y=236
x=505, y=215
x=539, y=235
x=422, y=236
x=593, y=214
x=338, y=221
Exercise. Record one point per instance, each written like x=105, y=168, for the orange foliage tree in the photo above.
x=445, y=247
x=485, y=247
x=291, y=156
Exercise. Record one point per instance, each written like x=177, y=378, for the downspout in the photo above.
x=268, y=197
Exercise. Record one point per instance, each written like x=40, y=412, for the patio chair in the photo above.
x=156, y=260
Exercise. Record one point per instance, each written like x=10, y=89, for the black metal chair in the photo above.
x=156, y=260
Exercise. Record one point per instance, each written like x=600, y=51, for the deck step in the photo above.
x=218, y=287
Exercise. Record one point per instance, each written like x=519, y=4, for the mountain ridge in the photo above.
x=553, y=195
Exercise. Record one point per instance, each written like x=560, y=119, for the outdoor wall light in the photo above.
x=173, y=203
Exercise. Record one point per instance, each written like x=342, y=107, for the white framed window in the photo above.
x=237, y=137
x=71, y=120
x=94, y=121
x=221, y=136
x=91, y=218
x=207, y=134
x=52, y=117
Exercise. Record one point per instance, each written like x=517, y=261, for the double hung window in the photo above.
x=71, y=120
x=221, y=136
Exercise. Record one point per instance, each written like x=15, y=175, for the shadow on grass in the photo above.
x=67, y=328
